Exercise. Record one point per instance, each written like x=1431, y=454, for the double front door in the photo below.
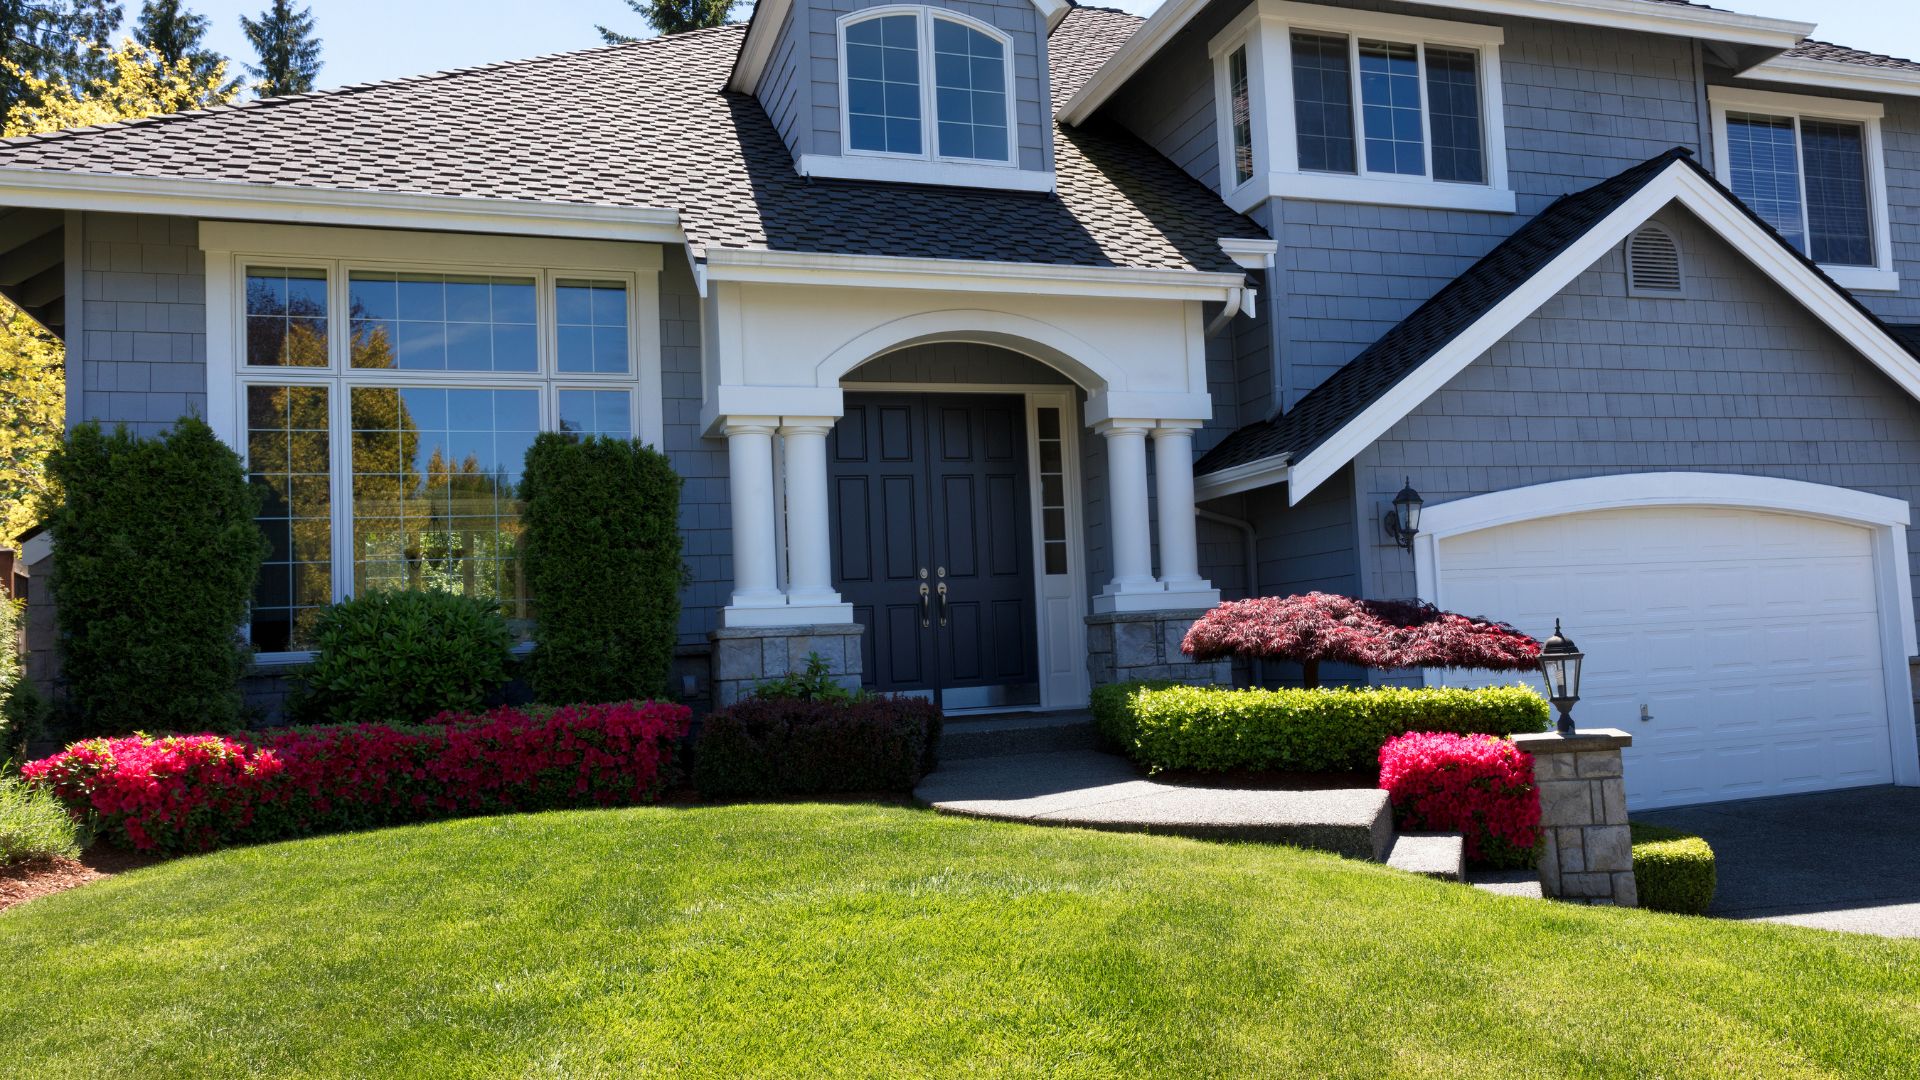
x=933, y=536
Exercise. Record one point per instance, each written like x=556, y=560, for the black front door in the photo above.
x=933, y=545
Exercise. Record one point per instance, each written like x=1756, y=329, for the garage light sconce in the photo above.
x=1560, y=663
x=1403, y=521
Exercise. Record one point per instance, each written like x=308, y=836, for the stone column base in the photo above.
x=1587, y=855
x=1129, y=646
x=746, y=656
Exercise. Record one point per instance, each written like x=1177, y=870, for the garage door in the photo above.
x=1750, y=640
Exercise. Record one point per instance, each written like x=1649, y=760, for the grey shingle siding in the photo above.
x=705, y=505
x=786, y=88
x=1736, y=377
x=143, y=348
x=1901, y=134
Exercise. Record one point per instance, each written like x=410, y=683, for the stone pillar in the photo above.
x=1179, y=530
x=809, y=538
x=755, y=558
x=1587, y=855
x=1127, y=519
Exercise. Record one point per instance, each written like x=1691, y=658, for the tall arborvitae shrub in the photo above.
x=155, y=553
x=602, y=558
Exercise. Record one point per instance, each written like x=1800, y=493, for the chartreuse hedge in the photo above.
x=1168, y=726
x=602, y=558
x=1674, y=870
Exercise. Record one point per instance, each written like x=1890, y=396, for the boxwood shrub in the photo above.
x=400, y=657
x=1164, y=726
x=1674, y=870
x=765, y=746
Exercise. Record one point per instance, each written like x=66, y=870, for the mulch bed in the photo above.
x=33, y=878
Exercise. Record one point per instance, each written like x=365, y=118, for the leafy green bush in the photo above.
x=602, y=558
x=401, y=657
x=22, y=713
x=1674, y=870
x=34, y=824
x=1323, y=730
x=791, y=746
x=155, y=557
x=816, y=683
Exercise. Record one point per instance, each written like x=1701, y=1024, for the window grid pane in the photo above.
x=1241, y=98
x=1765, y=170
x=1453, y=104
x=592, y=321
x=435, y=470
x=286, y=317
x=883, y=84
x=442, y=322
x=597, y=412
x=970, y=92
x=289, y=465
x=1839, y=228
x=1323, y=102
x=1390, y=108
x=1053, y=492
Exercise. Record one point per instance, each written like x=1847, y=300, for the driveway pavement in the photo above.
x=1838, y=860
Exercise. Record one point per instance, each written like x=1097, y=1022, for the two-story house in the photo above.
x=997, y=338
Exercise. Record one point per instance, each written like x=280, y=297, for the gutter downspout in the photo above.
x=1252, y=554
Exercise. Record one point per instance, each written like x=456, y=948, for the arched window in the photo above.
x=903, y=66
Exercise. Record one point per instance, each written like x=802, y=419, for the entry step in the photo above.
x=1006, y=734
x=1434, y=855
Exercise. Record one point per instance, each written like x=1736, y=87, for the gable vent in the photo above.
x=1653, y=262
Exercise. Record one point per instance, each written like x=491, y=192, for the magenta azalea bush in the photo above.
x=1382, y=634
x=196, y=792
x=1476, y=785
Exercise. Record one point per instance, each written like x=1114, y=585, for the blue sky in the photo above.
x=380, y=39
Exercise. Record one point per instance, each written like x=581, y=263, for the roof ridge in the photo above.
x=334, y=92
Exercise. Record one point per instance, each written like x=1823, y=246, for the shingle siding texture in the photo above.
x=143, y=344
x=1900, y=132
x=705, y=504
x=1734, y=378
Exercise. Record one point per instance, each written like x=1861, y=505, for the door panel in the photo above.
x=880, y=504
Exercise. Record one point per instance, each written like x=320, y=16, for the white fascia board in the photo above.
x=964, y=275
x=1250, y=253
x=1834, y=75
x=1247, y=476
x=1678, y=183
x=763, y=28
x=1689, y=22
x=326, y=206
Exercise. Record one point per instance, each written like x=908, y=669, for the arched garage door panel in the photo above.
x=1752, y=638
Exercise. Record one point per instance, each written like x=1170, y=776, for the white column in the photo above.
x=809, y=538
x=1127, y=519
x=755, y=558
x=1179, y=539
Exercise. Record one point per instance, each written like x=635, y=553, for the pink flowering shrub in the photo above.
x=199, y=792
x=1476, y=785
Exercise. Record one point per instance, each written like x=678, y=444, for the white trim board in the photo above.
x=1678, y=183
x=963, y=275
x=1837, y=75
x=1885, y=518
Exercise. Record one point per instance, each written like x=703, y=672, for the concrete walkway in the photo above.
x=1838, y=860
x=1089, y=789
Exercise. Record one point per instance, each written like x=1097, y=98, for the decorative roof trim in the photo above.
x=1838, y=75
x=1682, y=21
x=1680, y=182
x=759, y=265
x=329, y=206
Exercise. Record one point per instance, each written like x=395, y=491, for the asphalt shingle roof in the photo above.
x=649, y=125
x=1841, y=54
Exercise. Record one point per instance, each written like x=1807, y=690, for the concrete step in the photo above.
x=1508, y=882
x=1007, y=734
x=1091, y=790
x=1434, y=855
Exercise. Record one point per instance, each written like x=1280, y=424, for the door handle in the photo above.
x=943, y=603
x=926, y=605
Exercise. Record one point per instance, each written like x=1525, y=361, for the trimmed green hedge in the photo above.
x=1674, y=870
x=1166, y=726
x=400, y=657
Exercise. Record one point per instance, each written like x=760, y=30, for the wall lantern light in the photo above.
x=1403, y=521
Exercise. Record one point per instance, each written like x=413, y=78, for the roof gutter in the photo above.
x=1248, y=476
x=757, y=265
x=288, y=204
x=1835, y=75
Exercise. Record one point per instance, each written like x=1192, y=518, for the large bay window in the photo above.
x=1353, y=106
x=385, y=408
x=1812, y=168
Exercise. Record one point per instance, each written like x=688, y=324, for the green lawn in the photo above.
x=803, y=940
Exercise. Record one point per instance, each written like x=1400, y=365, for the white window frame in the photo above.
x=924, y=18
x=1881, y=276
x=232, y=248
x=1265, y=29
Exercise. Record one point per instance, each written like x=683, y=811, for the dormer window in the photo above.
x=928, y=84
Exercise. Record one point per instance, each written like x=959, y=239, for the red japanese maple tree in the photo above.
x=1381, y=634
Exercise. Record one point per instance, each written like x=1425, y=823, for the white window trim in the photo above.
x=924, y=18
x=1881, y=276
x=1265, y=29
x=233, y=247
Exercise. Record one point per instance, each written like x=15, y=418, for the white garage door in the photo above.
x=1751, y=640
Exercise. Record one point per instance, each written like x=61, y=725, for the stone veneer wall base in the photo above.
x=1130, y=646
x=746, y=656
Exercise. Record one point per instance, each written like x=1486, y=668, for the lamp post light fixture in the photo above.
x=1403, y=521
x=1560, y=662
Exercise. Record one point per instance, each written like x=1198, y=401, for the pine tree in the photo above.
x=176, y=32
x=673, y=16
x=289, y=53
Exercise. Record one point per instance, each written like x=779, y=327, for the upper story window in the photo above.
x=1814, y=170
x=922, y=83
x=1354, y=106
